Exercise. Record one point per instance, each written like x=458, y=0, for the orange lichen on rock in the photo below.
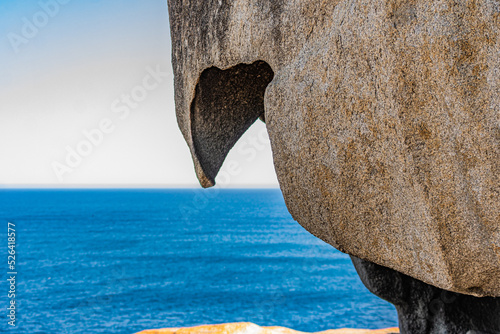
x=250, y=328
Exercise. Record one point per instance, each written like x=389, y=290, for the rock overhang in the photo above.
x=383, y=118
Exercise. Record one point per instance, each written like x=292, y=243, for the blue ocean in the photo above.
x=121, y=261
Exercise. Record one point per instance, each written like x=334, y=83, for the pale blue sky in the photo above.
x=65, y=68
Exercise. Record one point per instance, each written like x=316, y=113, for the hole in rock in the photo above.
x=226, y=103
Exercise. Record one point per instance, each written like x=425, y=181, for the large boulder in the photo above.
x=383, y=118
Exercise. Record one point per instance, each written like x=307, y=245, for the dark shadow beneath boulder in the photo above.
x=425, y=309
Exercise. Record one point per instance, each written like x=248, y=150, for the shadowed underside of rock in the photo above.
x=425, y=309
x=383, y=118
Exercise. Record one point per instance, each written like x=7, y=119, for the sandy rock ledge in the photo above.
x=250, y=328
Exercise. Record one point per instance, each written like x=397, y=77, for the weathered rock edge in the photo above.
x=383, y=118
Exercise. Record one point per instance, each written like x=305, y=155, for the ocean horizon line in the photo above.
x=131, y=186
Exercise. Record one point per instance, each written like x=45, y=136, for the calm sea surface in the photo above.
x=120, y=261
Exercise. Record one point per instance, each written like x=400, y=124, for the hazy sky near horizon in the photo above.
x=86, y=93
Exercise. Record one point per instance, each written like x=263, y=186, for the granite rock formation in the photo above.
x=249, y=328
x=383, y=118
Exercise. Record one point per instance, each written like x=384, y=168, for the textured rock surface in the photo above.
x=249, y=328
x=383, y=118
x=425, y=309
